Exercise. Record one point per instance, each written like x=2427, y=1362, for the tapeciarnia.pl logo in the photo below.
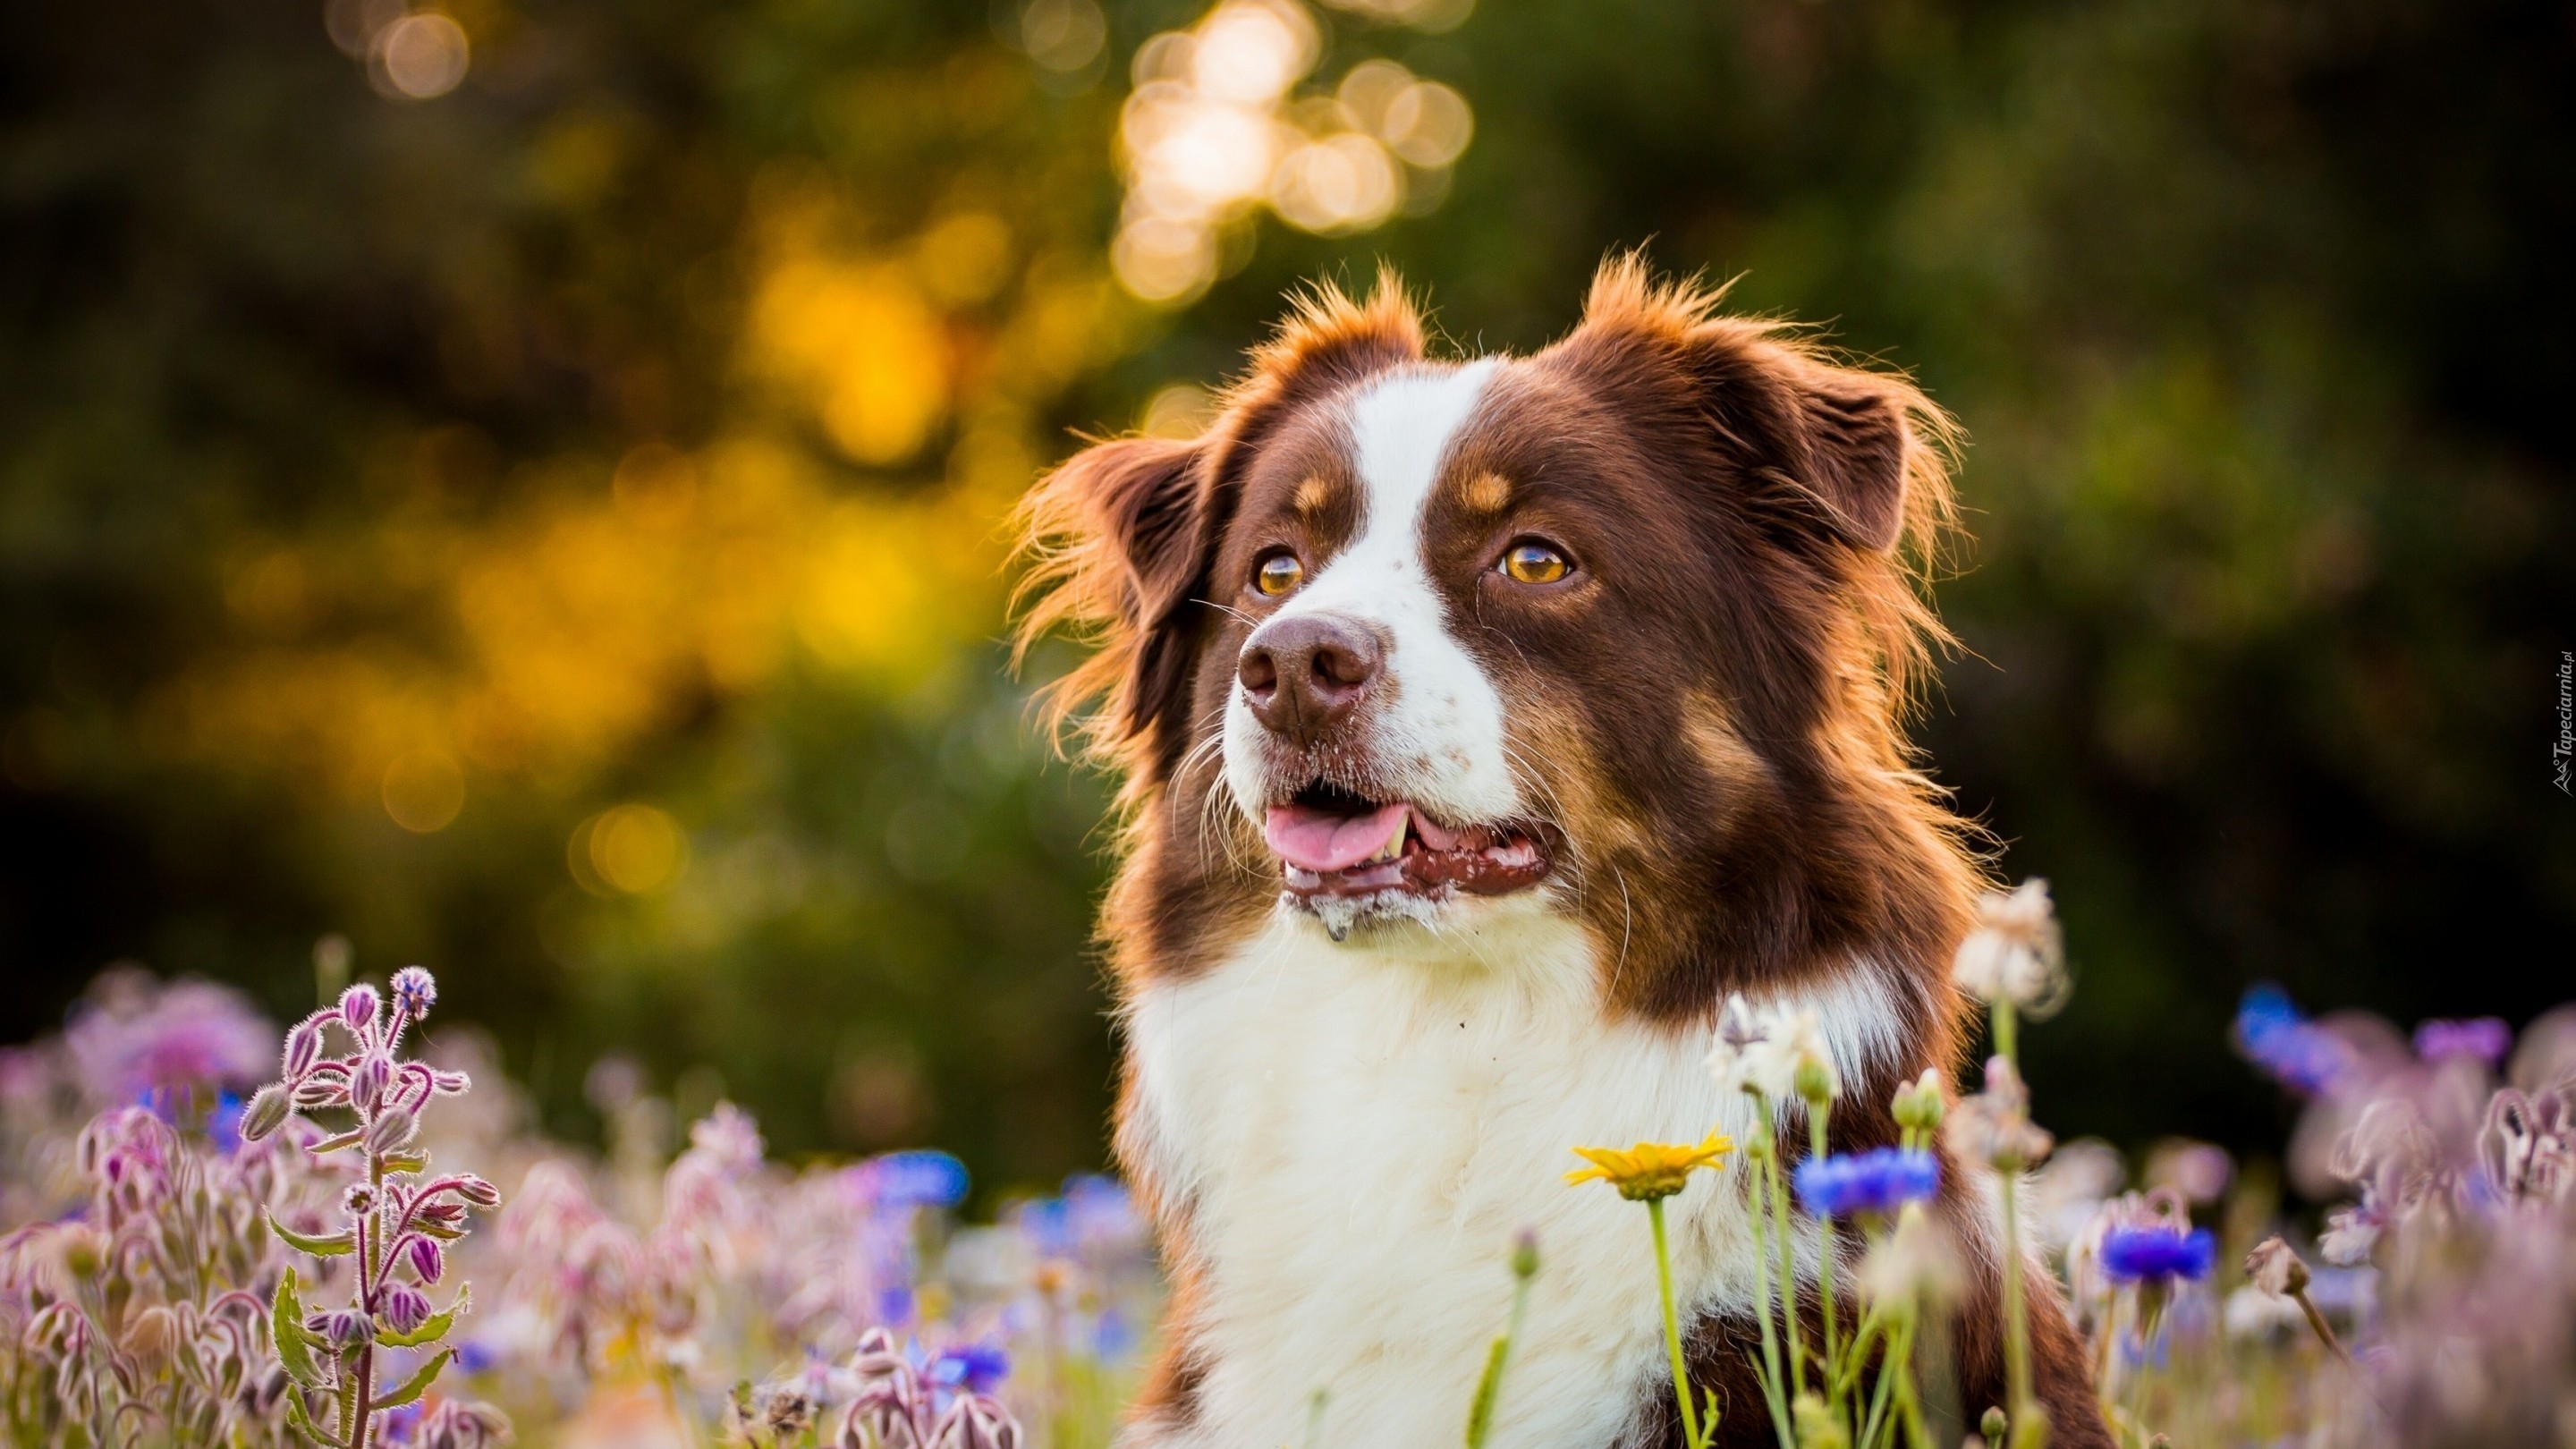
x=2563, y=752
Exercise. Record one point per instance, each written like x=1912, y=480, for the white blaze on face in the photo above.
x=1436, y=735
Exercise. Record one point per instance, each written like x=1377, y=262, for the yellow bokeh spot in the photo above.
x=632, y=848
x=423, y=791
x=964, y=258
x=863, y=346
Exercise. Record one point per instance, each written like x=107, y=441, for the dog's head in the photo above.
x=1619, y=631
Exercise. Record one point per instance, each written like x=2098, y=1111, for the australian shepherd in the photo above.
x=1485, y=724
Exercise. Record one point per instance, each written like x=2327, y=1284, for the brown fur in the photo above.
x=1710, y=710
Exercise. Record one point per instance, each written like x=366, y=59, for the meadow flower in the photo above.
x=1874, y=1183
x=2528, y=1145
x=1994, y=1127
x=1650, y=1171
x=918, y=1179
x=2158, y=1254
x=2483, y=1039
x=131, y=1036
x=414, y=992
x=2278, y=1037
x=2015, y=953
x=1774, y=1052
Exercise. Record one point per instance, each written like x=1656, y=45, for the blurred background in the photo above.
x=520, y=482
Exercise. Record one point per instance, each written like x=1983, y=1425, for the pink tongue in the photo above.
x=1323, y=842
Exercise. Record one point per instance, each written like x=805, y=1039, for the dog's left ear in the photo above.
x=1827, y=448
x=1846, y=436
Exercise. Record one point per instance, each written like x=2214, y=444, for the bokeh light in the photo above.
x=1215, y=130
x=632, y=848
x=421, y=56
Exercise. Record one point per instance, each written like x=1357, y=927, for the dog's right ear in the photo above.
x=1120, y=537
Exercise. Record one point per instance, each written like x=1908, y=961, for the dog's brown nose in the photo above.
x=1305, y=673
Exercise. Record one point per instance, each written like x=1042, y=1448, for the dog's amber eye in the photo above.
x=1532, y=562
x=1278, y=573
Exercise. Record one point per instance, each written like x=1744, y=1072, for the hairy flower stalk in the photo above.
x=398, y=1218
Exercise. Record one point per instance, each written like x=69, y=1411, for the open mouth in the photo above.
x=1335, y=844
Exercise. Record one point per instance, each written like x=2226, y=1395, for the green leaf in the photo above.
x=330, y=1245
x=432, y=1329
x=295, y=1420
x=418, y=1384
x=334, y=1144
x=286, y=1329
x=406, y=1162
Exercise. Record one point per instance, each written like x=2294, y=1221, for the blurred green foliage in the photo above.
x=551, y=465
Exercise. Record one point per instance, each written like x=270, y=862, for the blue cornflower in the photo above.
x=2158, y=1255
x=2278, y=1037
x=1877, y=1182
x=977, y=1368
x=223, y=1125
x=916, y=1179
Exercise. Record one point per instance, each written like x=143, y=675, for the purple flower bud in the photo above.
x=392, y=1130
x=342, y=1329
x=303, y=1047
x=449, y=1084
x=476, y=1191
x=358, y=1008
x=414, y=992
x=315, y=1092
x=267, y=1112
x=367, y=1083
x=403, y=1306
x=427, y=1261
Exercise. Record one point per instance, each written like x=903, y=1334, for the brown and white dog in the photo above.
x=1485, y=724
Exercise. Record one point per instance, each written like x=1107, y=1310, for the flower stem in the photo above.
x=2007, y=1033
x=2317, y=1321
x=1900, y=1350
x=1788, y=1260
x=1771, y=1381
x=2016, y=1318
x=1816, y=1114
x=1672, y=1321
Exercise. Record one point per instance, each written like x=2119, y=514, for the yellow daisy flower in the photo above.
x=1650, y=1170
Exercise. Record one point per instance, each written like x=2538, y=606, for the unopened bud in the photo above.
x=427, y=1261
x=367, y=1083
x=341, y=1328
x=1816, y=1080
x=392, y=1129
x=151, y=1337
x=1525, y=1254
x=303, y=1048
x=476, y=1191
x=2276, y=1268
x=266, y=1113
x=1993, y=1425
x=403, y=1306
x=358, y=1007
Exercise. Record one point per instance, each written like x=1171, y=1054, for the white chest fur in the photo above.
x=1359, y=1130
